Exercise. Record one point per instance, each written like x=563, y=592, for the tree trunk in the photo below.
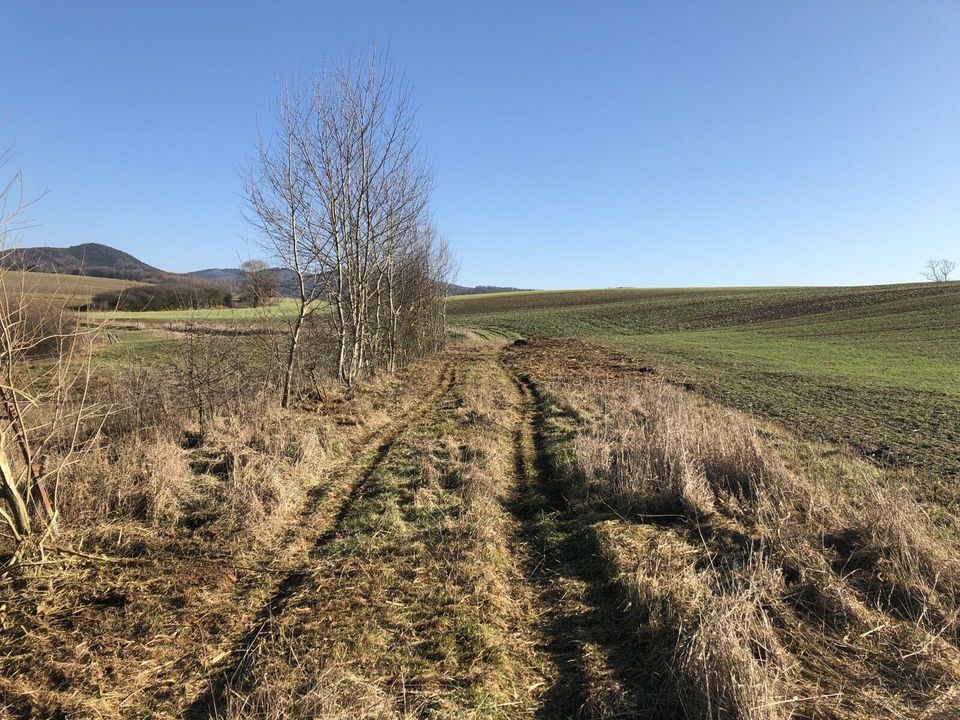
x=292, y=358
x=14, y=500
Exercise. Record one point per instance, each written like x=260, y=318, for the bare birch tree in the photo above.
x=348, y=188
x=281, y=208
x=372, y=189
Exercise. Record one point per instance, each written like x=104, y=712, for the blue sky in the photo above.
x=582, y=144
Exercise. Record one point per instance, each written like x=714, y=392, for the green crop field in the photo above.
x=875, y=367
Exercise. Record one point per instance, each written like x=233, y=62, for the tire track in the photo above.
x=528, y=507
x=317, y=526
x=573, y=605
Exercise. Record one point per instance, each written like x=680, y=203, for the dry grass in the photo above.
x=415, y=607
x=140, y=479
x=765, y=589
x=192, y=536
x=381, y=559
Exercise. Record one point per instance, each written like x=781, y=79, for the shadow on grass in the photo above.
x=584, y=606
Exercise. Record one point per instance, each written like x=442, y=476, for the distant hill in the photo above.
x=90, y=259
x=286, y=280
x=96, y=260
x=218, y=274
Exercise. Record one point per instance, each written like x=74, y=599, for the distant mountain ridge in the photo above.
x=91, y=259
x=97, y=260
x=287, y=281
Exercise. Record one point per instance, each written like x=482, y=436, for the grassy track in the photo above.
x=413, y=604
x=541, y=529
x=876, y=367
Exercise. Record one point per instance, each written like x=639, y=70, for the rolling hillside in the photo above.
x=63, y=288
x=90, y=259
x=96, y=260
x=875, y=367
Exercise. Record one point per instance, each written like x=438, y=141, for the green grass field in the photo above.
x=875, y=367
x=284, y=308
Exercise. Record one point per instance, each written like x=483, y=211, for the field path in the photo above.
x=483, y=591
x=575, y=614
x=265, y=595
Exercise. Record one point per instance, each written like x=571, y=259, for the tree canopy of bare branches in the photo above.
x=340, y=196
x=939, y=270
x=46, y=416
x=260, y=282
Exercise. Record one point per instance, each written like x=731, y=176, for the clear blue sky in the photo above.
x=581, y=144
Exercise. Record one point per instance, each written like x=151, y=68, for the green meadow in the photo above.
x=875, y=367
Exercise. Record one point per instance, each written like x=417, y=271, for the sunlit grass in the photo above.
x=284, y=308
x=877, y=367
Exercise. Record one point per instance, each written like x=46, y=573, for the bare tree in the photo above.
x=278, y=195
x=261, y=282
x=939, y=270
x=47, y=419
x=347, y=187
x=372, y=191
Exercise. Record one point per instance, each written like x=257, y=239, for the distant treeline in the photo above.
x=114, y=273
x=161, y=297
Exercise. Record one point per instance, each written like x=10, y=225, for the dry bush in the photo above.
x=134, y=478
x=48, y=417
x=217, y=374
x=142, y=399
x=46, y=331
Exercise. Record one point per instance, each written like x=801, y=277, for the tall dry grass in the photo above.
x=243, y=484
x=767, y=591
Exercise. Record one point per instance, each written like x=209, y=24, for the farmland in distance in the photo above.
x=875, y=367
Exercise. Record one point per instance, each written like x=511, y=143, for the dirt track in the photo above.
x=444, y=568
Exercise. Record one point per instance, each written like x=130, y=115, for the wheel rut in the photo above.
x=529, y=506
x=574, y=613
x=319, y=524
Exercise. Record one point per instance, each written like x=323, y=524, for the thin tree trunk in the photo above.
x=8, y=487
x=292, y=357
